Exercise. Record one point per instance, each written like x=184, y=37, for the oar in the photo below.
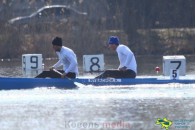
x=56, y=71
x=75, y=83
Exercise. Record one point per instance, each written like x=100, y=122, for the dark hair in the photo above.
x=57, y=41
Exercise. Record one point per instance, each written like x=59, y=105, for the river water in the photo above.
x=131, y=107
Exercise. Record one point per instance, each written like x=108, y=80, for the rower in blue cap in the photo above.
x=128, y=65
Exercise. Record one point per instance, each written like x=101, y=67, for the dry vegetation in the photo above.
x=105, y=18
x=14, y=43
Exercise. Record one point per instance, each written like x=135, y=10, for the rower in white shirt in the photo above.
x=67, y=58
x=128, y=65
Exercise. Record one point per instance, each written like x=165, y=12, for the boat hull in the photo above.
x=100, y=82
x=28, y=83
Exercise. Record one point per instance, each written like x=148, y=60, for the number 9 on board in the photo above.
x=31, y=64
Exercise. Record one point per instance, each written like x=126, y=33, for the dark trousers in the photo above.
x=53, y=74
x=117, y=74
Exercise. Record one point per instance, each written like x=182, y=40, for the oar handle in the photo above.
x=57, y=71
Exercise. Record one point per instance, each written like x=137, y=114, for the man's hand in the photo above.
x=123, y=68
x=51, y=68
x=63, y=75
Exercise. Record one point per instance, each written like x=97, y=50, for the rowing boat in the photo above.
x=29, y=83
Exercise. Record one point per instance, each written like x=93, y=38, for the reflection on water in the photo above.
x=126, y=107
x=134, y=107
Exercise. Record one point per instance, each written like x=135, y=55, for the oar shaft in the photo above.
x=56, y=71
x=75, y=83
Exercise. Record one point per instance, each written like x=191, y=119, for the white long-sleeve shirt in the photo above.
x=68, y=59
x=126, y=58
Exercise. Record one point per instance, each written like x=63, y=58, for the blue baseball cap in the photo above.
x=113, y=40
